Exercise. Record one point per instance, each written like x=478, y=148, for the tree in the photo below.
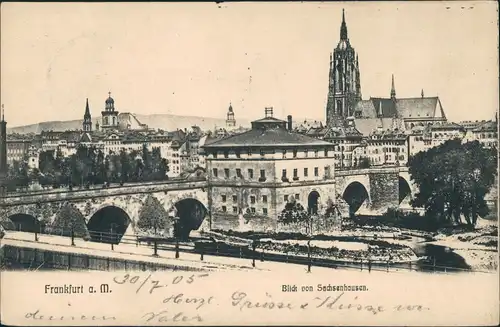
x=153, y=218
x=293, y=212
x=363, y=162
x=453, y=179
x=46, y=162
x=67, y=219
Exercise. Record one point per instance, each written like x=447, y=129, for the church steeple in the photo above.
x=344, y=87
x=87, y=119
x=230, y=121
x=393, y=89
x=343, y=27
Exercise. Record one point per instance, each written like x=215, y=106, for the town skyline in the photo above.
x=242, y=57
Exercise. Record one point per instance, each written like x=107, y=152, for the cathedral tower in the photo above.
x=87, y=119
x=109, y=115
x=344, y=87
x=230, y=121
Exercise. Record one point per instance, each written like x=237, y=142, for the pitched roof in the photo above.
x=446, y=126
x=407, y=108
x=268, y=120
x=427, y=107
x=273, y=137
x=368, y=125
x=347, y=131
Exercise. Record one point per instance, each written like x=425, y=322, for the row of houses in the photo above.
x=397, y=143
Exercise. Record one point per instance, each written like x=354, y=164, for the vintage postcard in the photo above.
x=319, y=163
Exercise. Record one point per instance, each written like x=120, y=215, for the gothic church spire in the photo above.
x=343, y=27
x=393, y=89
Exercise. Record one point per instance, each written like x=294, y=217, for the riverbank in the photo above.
x=479, y=247
x=348, y=248
x=475, y=249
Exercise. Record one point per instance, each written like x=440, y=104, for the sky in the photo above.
x=195, y=58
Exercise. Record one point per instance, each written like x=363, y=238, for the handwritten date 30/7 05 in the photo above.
x=153, y=284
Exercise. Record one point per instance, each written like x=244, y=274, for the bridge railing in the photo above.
x=99, y=187
x=207, y=246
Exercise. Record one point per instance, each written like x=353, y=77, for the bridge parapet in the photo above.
x=139, y=188
x=371, y=170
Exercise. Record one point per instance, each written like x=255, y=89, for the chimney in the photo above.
x=289, y=118
x=269, y=112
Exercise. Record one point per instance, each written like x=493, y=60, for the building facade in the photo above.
x=252, y=175
x=486, y=133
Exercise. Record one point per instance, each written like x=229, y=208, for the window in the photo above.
x=252, y=199
x=283, y=173
x=215, y=155
x=306, y=153
x=262, y=173
x=327, y=171
x=297, y=196
x=264, y=211
x=306, y=172
x=224, y=209
x=238, y=155
x=262, y=153
x=264, y=198
x=285, y=198
x=235, y=209
x=316, y=172
x=250, y=173
x=252, y=209
x=284, y=154
x=238, y=172
x=226, y=154
x=295, y=153
x=295, y=172
x=235, y=198
x=326, y=153
x=215, y=171
x=223, y=198
x=315, y=153
x=249, y=152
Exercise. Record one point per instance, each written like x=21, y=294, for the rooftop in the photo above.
x=267, y=132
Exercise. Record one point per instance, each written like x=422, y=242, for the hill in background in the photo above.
x=166, y=122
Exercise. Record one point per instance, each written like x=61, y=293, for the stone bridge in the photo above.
x=119, y=209
x=373, y=190
x=100, y=210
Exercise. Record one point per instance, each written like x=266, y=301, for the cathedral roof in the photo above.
x=407, y=108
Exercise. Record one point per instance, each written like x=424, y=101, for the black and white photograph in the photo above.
x=269, y=163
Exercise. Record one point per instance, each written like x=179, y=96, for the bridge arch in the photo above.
x=404, y=190
x=355, y=194
x=190, y=213
x=25, y=223
x=108, y=224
